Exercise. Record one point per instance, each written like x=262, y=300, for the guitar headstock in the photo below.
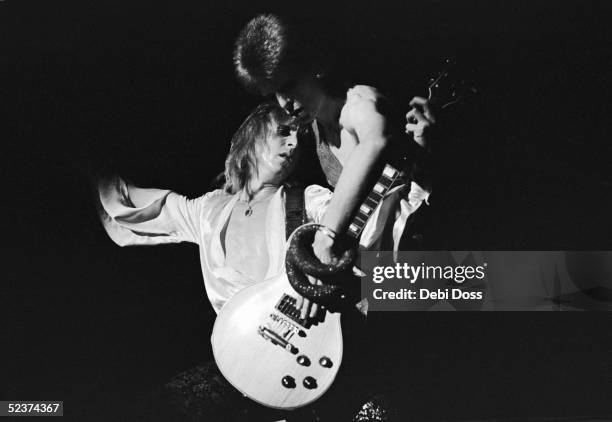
x=448, y=88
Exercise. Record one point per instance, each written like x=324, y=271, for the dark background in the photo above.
x=147, y=88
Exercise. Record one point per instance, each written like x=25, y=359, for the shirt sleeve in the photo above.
x=390, y=216
x=316, y=200
x=136, y=216
x=410, y=201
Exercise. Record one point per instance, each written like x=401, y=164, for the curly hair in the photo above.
x=265, y=53
x=241, y=162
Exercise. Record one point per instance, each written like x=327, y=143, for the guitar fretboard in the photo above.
x=365, y=211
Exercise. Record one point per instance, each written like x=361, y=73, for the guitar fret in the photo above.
x=371, y=202
x=361, y=223
x=387, y=181
x=365, y=209
x=376, y=197
x=378, y=187
x=360, y=220
x=389, y=172
x=361, y=216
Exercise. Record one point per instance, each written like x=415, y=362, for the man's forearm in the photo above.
x=352, y=184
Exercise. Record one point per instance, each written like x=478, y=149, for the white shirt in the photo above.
x=136, y=216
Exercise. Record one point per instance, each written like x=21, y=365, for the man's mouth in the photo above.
x=286, y=156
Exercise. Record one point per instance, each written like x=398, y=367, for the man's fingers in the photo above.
x=428, y=114
x=313, y=310
x=418, y=101
x=415, y=115
x=417, y=120
x=305, y=308
x=315, y=307
x=410, y=117
x=305, y=305
x=412, y=127
x=417, y=131
x=424, y=103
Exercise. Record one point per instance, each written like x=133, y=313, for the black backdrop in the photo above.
x=149, y=88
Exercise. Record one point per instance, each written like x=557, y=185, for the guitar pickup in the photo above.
x=273, y=337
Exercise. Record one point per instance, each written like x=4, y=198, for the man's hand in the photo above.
x=308, y=308
x=322, y=248
x=419, y=119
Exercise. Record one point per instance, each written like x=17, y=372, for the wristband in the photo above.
x=328, y=232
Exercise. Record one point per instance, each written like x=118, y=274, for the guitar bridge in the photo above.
x=275, y=338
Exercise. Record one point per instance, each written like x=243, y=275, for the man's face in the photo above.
x=278, y=155
x=301, y=98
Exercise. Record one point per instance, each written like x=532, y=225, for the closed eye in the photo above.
x=285, y=130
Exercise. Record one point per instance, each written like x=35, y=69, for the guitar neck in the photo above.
x=387, y=179
x=444, y=91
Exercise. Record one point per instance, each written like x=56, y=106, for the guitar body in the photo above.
x=267, y=353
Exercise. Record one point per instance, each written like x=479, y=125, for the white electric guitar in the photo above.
x=266, y=351
x=261, y=345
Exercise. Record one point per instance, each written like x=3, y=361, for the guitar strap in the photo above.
x=295, y=212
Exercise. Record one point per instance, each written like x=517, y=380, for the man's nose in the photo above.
x=292, y=140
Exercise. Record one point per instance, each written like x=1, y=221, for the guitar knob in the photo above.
x=310, y=383
x=303, y=360
x=288, y=381
x=325, y=362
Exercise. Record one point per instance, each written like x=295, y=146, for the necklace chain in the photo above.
x=250, y=204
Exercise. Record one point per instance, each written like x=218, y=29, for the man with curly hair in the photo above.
x=352, y=128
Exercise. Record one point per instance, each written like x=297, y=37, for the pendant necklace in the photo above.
x=249, y=211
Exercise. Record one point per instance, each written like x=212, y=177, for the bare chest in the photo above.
x=249, y=258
